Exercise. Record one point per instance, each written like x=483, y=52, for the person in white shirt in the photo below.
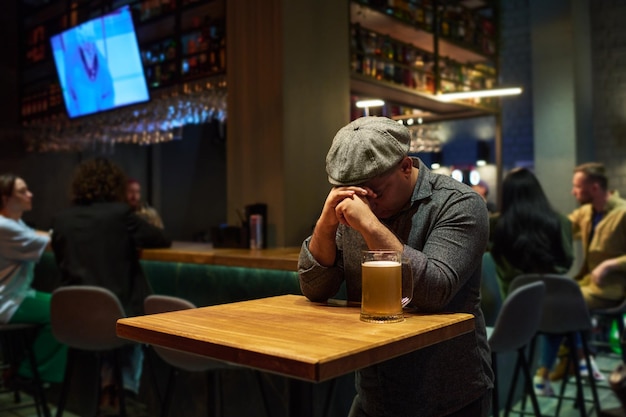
x=20, y=248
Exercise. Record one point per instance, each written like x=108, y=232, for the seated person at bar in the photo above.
x=383, y=199
x=529, y=236
x=97, y=242
x=20, y=248
x=600, y=223
x=133, y=198
x=483, y=189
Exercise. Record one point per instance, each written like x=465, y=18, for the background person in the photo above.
x=20, y=248
x=141, y=208
x=383, y=199
x=600, y=224
x=97, y=242
x=529, y=236
x=483, y=189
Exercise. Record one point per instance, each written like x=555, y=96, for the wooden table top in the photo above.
x=292, y=336
x=203, y=253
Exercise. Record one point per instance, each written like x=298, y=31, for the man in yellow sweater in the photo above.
x=600, y=223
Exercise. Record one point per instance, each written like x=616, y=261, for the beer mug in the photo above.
x=383, y=293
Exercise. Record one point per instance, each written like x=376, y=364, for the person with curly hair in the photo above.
x=97, y=241
x=20, y=248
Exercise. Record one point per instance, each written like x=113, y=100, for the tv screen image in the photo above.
x=99, y=64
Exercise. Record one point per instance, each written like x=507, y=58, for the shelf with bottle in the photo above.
x=460, y=30
x=36, y=44
x=204, y=49
x=386, y=59
x=146, y=10
x=41, y=100
x=376, y=19
x=159, y=60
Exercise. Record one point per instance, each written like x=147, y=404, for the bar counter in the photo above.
x=205, y=275
x=285, y=259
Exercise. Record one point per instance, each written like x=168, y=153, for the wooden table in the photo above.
x=292, y=336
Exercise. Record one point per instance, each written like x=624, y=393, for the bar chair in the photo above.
x=490, y=294
x=610, y=314
x=515, y=328
x=16, y=341
x=154, y=304
x=564, y=312
x=84, y=318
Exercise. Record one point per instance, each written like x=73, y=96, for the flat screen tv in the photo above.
x=99, y=64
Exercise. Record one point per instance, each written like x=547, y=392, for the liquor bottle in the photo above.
x=409, y=60
x=205, y=33
x=390, y=7
x=419, y=14
x=369, y=45
x=218, y=45
x=359, y=50
x=398, y=70
x=353, y=58
x=388, y=54
x=379, y=60
x=170, y=49
x=444, y=22
x=428, y=18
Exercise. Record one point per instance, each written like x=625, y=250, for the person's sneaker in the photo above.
x=597, y=375
x=560, y=370
x=542, y=386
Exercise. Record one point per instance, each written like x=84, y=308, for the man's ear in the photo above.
x=406, y=165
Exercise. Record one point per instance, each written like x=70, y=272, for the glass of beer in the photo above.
x=382, y=290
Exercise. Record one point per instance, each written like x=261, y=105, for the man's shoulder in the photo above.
x=443, y=183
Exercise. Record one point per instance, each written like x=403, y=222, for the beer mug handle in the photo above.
x=407, y=284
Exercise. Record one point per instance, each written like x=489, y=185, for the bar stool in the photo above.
x=564, y=312
x=16, y=340
x=514, y=330
x=84, y=318
x=189, y=362
x=610, y=314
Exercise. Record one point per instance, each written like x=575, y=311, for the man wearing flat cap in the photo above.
x=384, y=199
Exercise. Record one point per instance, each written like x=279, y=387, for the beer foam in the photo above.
x=385, y=264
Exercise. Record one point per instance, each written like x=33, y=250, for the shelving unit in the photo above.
x=468, y=66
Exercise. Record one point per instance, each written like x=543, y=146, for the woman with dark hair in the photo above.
x=20, y=248
x=531, y=237
x=97, y=242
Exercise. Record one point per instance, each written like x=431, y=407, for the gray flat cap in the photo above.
x=365, y=148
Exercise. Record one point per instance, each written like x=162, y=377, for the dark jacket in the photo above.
x=99, y=245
